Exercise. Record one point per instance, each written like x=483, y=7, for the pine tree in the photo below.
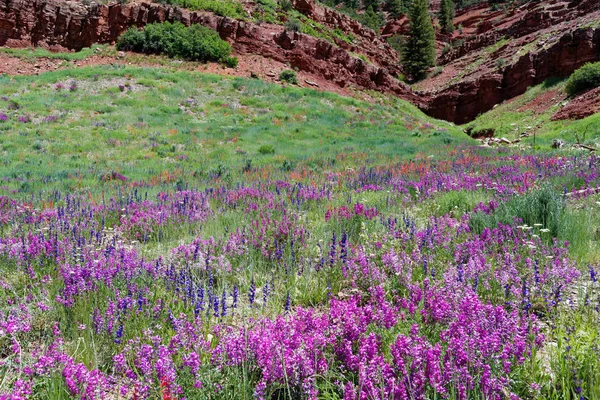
x=447, y=16
x=419, y=52
x=351, y=3
x=374, y=4
x=396, y=7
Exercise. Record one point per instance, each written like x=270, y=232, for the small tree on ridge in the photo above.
x=419, y=52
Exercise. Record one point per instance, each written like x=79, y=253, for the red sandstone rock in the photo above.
x=580, y=107
x=462, y=102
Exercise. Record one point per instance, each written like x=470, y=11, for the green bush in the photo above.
x=286, y=5
x=289, y=76
x=266, y=149
x=397, y=42
x=224, y=8
x=194, y=43
x=293, y=25
x=586, y=77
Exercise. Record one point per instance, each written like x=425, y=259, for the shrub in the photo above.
x=286, y=5
x=446, y=49
x=266, y=149
x=500, y=63
x=543, y=206
x=436, y=71
x=458, y=42
x=289, y=76
x=224, y=8
x=293, y=25
x=229, y=61
x=586, y=77
x=371, y=18
x=194, y=43
x=397, y=42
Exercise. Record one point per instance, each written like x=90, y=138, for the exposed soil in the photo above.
x=580, y=107
x=544, y=102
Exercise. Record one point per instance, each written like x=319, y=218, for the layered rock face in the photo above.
x=545, y=31
x=462, y=102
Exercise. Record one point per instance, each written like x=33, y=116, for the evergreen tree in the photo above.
x=396, y=7
x=351, y=3
x=372, y=19
x=374, y=4
x=447, y=16
x=419, y=52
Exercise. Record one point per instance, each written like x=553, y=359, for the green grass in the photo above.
x=34, y=53
x=511, y=119
x=166, y=123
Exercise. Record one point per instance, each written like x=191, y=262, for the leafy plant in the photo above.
x=293, y=25
x=289, y=76
x=397, y=42
x=194, y=43
x=224, y=8
x=286, y=5
x=266, y=149
x=586, y=77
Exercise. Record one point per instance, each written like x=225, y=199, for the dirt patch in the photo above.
x=580, y=107
x=15, y=66
x=543, y=102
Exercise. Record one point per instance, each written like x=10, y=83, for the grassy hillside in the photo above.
x=144, y=123
x=531, y=113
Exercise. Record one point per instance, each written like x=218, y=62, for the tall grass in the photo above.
x=544, y=211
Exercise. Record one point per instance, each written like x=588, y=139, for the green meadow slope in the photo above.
x=141, y=123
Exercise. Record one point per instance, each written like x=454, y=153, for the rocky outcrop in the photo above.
x=462, y=102
x=366, y=41
x=487, y=27
x=73, y=25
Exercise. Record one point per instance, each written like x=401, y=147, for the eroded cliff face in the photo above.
x=542, y=39
x=462, y=102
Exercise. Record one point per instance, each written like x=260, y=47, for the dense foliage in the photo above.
x=194, y=43
x=371, y=16
x=419, y=51
x=225, y=8
x=586, y=77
